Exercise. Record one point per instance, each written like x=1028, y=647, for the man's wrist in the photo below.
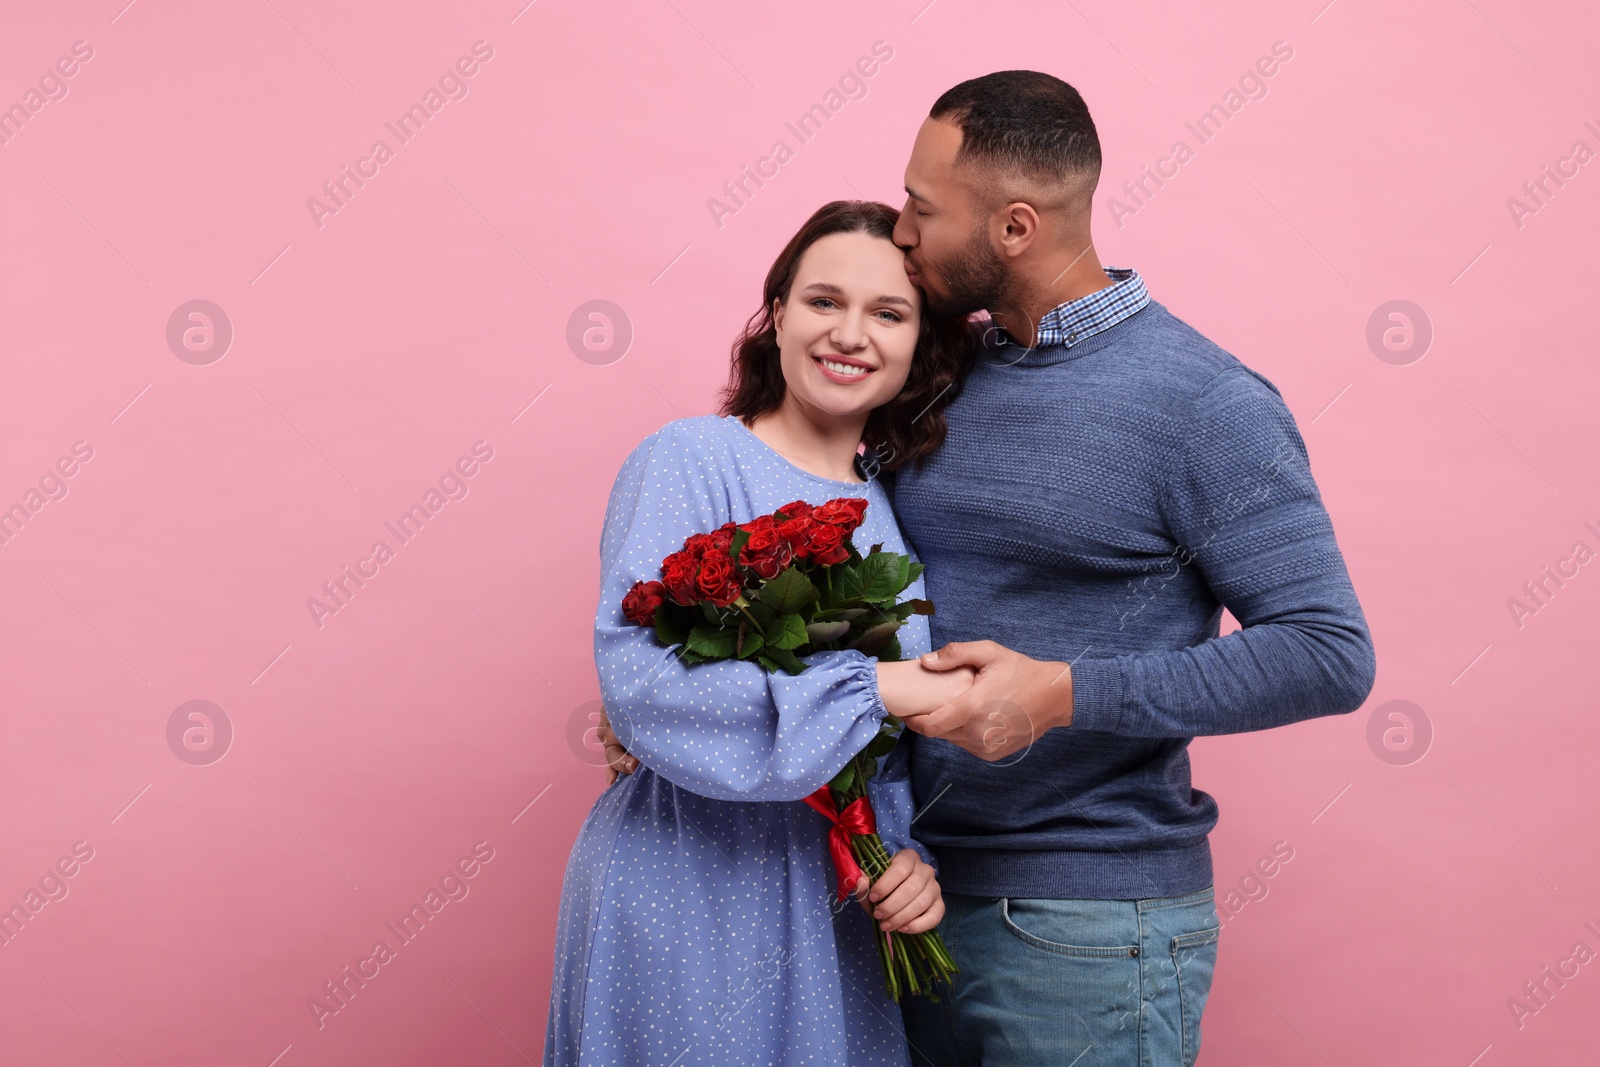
x=1060, y=703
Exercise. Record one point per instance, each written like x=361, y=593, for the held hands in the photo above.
x=978, y=695
x=1013, y=700
x=906, y=898
x=908, y=688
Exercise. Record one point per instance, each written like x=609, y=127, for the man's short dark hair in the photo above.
x=1021, y=123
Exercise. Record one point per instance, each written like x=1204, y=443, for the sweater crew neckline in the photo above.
x=1004, y=356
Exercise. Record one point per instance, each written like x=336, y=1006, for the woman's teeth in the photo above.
x=843, y=368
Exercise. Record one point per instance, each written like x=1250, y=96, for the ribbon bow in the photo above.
x=855, y=819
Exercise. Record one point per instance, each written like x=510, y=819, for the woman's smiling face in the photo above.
x=848, y=330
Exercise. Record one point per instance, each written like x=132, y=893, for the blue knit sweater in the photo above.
x=1101, y=504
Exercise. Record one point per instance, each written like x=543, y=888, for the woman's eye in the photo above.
x=922, y=214
x=814, y=301
x=893, y=316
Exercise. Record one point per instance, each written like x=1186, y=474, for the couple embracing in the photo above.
x=1088, y=482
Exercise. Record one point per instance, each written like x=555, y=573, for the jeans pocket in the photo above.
x=1019, y=914
x=1194, y=959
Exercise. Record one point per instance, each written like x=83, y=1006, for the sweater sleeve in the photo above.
x=726, y=729
x=1245, y=511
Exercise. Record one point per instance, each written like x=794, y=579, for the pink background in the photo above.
x=445, y=704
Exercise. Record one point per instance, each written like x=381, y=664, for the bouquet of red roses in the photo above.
x=780, y=587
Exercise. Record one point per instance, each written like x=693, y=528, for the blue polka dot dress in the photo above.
x=698, y=923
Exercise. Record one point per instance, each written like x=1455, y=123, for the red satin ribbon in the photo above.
x=855, y=819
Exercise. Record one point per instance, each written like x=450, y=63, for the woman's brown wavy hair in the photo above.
x=906, y=429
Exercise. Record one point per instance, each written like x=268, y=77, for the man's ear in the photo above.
x=1019, y=227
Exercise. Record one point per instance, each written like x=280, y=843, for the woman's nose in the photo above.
x=848, y=335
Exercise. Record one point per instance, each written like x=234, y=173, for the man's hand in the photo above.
x=1014, y=700
x=618, y=761
x=906, y=898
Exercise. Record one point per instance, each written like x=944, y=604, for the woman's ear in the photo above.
x=777, y=319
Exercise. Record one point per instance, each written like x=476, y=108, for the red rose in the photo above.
x=766, y=552
x=639, y=606
x=798, y=533
x=797, y=510
x=827, y=545
x=678, y=575
x=845, y=512
x=719, y=581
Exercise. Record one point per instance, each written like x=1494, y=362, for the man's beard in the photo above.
x=974, y=278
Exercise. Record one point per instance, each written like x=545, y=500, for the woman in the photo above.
x=697, y=921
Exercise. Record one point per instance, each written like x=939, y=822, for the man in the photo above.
x=1111, y=480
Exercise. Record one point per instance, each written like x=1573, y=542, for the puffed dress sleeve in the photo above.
x=726, y=729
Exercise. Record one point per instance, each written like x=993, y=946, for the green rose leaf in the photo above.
x=788, y=592
x=672, y=623
x=711, y=642
x=875, y=578
x=907, y=608
x=783, y=658
x=789, y=631
x=876, y=637
x=879, y=575
x=823, y=632
x=749, y=644
x=883, y=744
x=763, y=614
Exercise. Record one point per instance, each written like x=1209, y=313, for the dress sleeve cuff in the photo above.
x=1097, y=695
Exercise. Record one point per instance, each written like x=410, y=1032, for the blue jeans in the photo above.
x=1069, y=983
